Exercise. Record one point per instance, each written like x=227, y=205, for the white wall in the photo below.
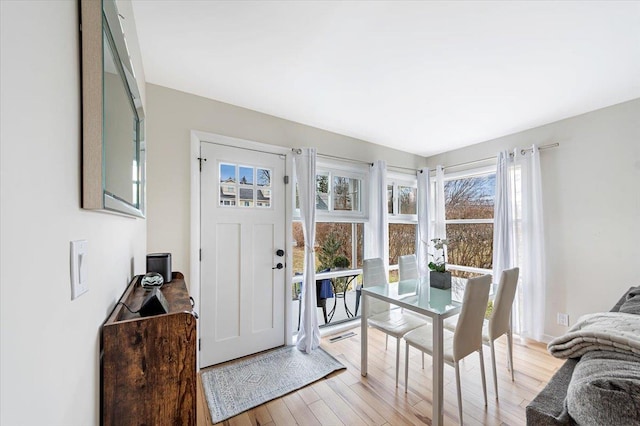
x=49, y=362
x=591, y=196
x=171, y=117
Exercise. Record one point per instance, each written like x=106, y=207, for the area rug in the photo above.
x=238, y=386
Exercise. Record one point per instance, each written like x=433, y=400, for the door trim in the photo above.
x=197, y=137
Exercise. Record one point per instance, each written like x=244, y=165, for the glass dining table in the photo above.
x=416, y=296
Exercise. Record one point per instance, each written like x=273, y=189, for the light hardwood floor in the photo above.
x=347, y=398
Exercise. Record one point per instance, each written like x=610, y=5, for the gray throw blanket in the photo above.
x=605, y=390
x=609, y=331
x=632, y=303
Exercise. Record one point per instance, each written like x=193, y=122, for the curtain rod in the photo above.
x=298, y=151
x=411, y=169
x=351, y=160
x=335, y=157
x=522, y=151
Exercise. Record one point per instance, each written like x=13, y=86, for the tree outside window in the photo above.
x=402, y=241
x=346, y=193
x=408, y=200
x=402, y=204
x=333, y=240
x=469, y=203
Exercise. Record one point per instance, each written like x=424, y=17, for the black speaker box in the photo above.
x=160, y=263
x=154, y=304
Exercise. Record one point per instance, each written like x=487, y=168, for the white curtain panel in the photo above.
x=423, y=238
x=518, y=236
x=530, y=237
x=377, y=229
x=309, y=334
x=504, y=247
x=439, y=227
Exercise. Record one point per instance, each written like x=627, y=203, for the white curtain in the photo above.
x=439, y=228
x=377, y=229
x=504, y=247
x=309, y=333
x=423, y=238
x=519, y=235
x=530, y=235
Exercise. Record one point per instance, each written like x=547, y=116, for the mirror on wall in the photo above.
x=112, y=115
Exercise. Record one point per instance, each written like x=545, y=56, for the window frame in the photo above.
x=464, y=174
x=396, y=179
x=333, y=168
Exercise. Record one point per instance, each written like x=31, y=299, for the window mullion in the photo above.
x=396, y=205
x=466, y=221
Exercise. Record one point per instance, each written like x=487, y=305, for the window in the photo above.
x=469, y=202
x=340, y=193
x=346, y=193
x=402, y=200
x=244, y=186
x=340, y=216
x=332, y=240
x=402, y=203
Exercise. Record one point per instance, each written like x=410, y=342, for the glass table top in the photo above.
x=418, y=296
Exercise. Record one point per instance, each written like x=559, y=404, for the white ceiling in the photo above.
x=422, y=77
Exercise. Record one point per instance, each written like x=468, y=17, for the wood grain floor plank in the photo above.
x=280, y=412
x=325, y=414
x=300, y=410
x=345, y=397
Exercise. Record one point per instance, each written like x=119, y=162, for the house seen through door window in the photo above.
x=244, y=186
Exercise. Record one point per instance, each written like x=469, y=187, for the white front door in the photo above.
x=242, y=199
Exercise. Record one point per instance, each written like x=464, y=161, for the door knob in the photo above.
x=278, y=266
x=280, y=252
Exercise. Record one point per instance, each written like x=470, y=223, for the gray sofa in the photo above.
x=552, y=407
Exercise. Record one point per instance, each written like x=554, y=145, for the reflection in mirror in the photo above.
x=119, y=133
x=112, y=115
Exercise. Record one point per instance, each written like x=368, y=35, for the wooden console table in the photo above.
x=148, y=364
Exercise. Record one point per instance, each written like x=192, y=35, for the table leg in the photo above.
x=438, y=370
x=363, y=336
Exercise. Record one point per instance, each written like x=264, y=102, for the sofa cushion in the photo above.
x=605, y=389
x=631, y=305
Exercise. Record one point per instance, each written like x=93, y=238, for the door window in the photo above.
x=244, y=186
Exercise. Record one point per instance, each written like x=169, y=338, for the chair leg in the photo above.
x=459, y=391
x=493, y=363
x=406, y=366
x=397, y=358
x=386, y=342
x=484, y=380
x=510, y=351
x=423, y=360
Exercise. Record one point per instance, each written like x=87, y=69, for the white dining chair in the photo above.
x=407, y=267
x=391, y=322
x=408, y=270
x=466, y=339
x=499, y=323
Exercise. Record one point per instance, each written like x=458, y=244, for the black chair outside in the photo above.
x=324, y=291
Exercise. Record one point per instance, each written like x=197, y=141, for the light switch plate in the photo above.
x=79, y=283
